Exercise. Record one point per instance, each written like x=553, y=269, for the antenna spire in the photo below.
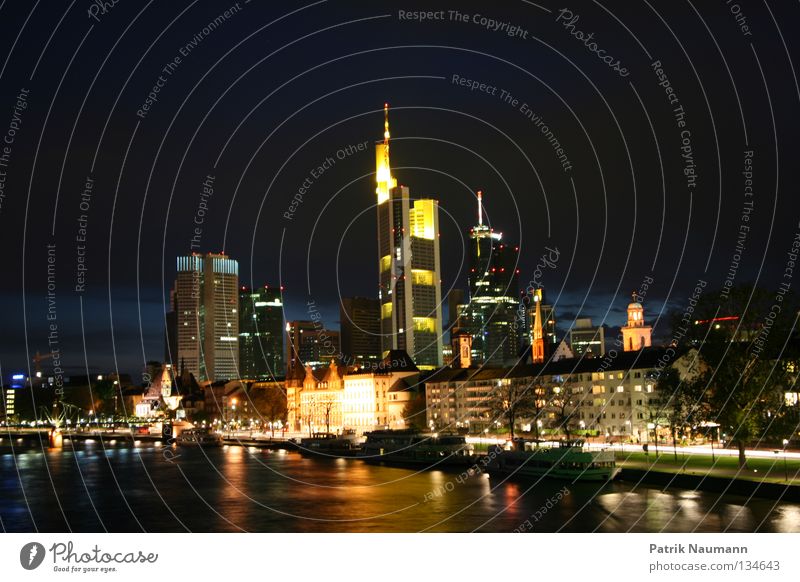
x=383, y=169
x=386, y=125
x=480, y=208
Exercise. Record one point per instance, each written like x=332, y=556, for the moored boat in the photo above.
x=199, y=436
x=330, y=445
x=412, y=447
x=569, y=460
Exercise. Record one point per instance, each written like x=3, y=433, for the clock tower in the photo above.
x=636, y=335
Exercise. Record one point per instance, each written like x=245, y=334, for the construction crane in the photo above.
x=37, y=362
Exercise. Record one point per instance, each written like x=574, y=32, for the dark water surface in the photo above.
x=102, y=487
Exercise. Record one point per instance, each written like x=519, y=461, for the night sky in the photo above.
x=260, y=99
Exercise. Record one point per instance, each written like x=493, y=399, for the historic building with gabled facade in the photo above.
x=337, y=398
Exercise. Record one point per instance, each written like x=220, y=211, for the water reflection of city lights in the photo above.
x=788, y=519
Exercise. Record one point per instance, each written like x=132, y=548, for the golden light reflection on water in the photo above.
x=788, y=519
x=260, y=490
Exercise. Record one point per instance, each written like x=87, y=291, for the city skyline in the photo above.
x=357, y=267
x=641, y=232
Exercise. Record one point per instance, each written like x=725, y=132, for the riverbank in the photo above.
x=776, y=478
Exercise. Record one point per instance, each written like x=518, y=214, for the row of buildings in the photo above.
x=365, y=374
x=218, y=330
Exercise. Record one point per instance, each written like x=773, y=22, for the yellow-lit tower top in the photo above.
x=383, y=170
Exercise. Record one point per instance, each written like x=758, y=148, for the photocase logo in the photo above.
x=31, y=555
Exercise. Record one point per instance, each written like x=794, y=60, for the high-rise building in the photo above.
x=408, y=265
x=587, y=340
x=260, y=333
x=494, y=296
x=205, y=301
x=185, y=296
x=171, y=330
x=360, y=325
x=221, y=320
x=308, y=344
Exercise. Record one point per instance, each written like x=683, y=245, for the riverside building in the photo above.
x=620, y=401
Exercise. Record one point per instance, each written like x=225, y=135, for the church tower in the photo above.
x=636, y=335
x=462, y=345
x=537, y=335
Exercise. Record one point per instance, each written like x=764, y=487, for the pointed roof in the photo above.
x=398, y=361
x=331, y=373
x=562, y=351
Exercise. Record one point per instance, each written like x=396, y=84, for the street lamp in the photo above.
x=654, y=427
x=232, y=418
x=785, y=466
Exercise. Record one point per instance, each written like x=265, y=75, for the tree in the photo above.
x=655, y=417
x=327, y=407
x=311, y=412
x=270, y=403
x=742, y=337
x=676, y=403
x=105, y=395
x=564, y=408
x=511, y=400
x=742, y=396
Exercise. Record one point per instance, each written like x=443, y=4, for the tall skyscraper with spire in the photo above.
x=494, y=295
x=408, y=265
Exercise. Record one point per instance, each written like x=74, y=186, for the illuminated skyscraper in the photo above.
x=494, y=296
x=221, y=318
x=409, y=266
x=261, y=333
x=206, y=304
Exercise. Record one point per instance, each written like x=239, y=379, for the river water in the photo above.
x=96, y=487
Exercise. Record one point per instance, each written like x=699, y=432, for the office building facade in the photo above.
x=408, y=265
x=309, y=344
x=261, y=333
x=360, y=329
x=587, y=340
x=490, y=316
x=205, y=314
